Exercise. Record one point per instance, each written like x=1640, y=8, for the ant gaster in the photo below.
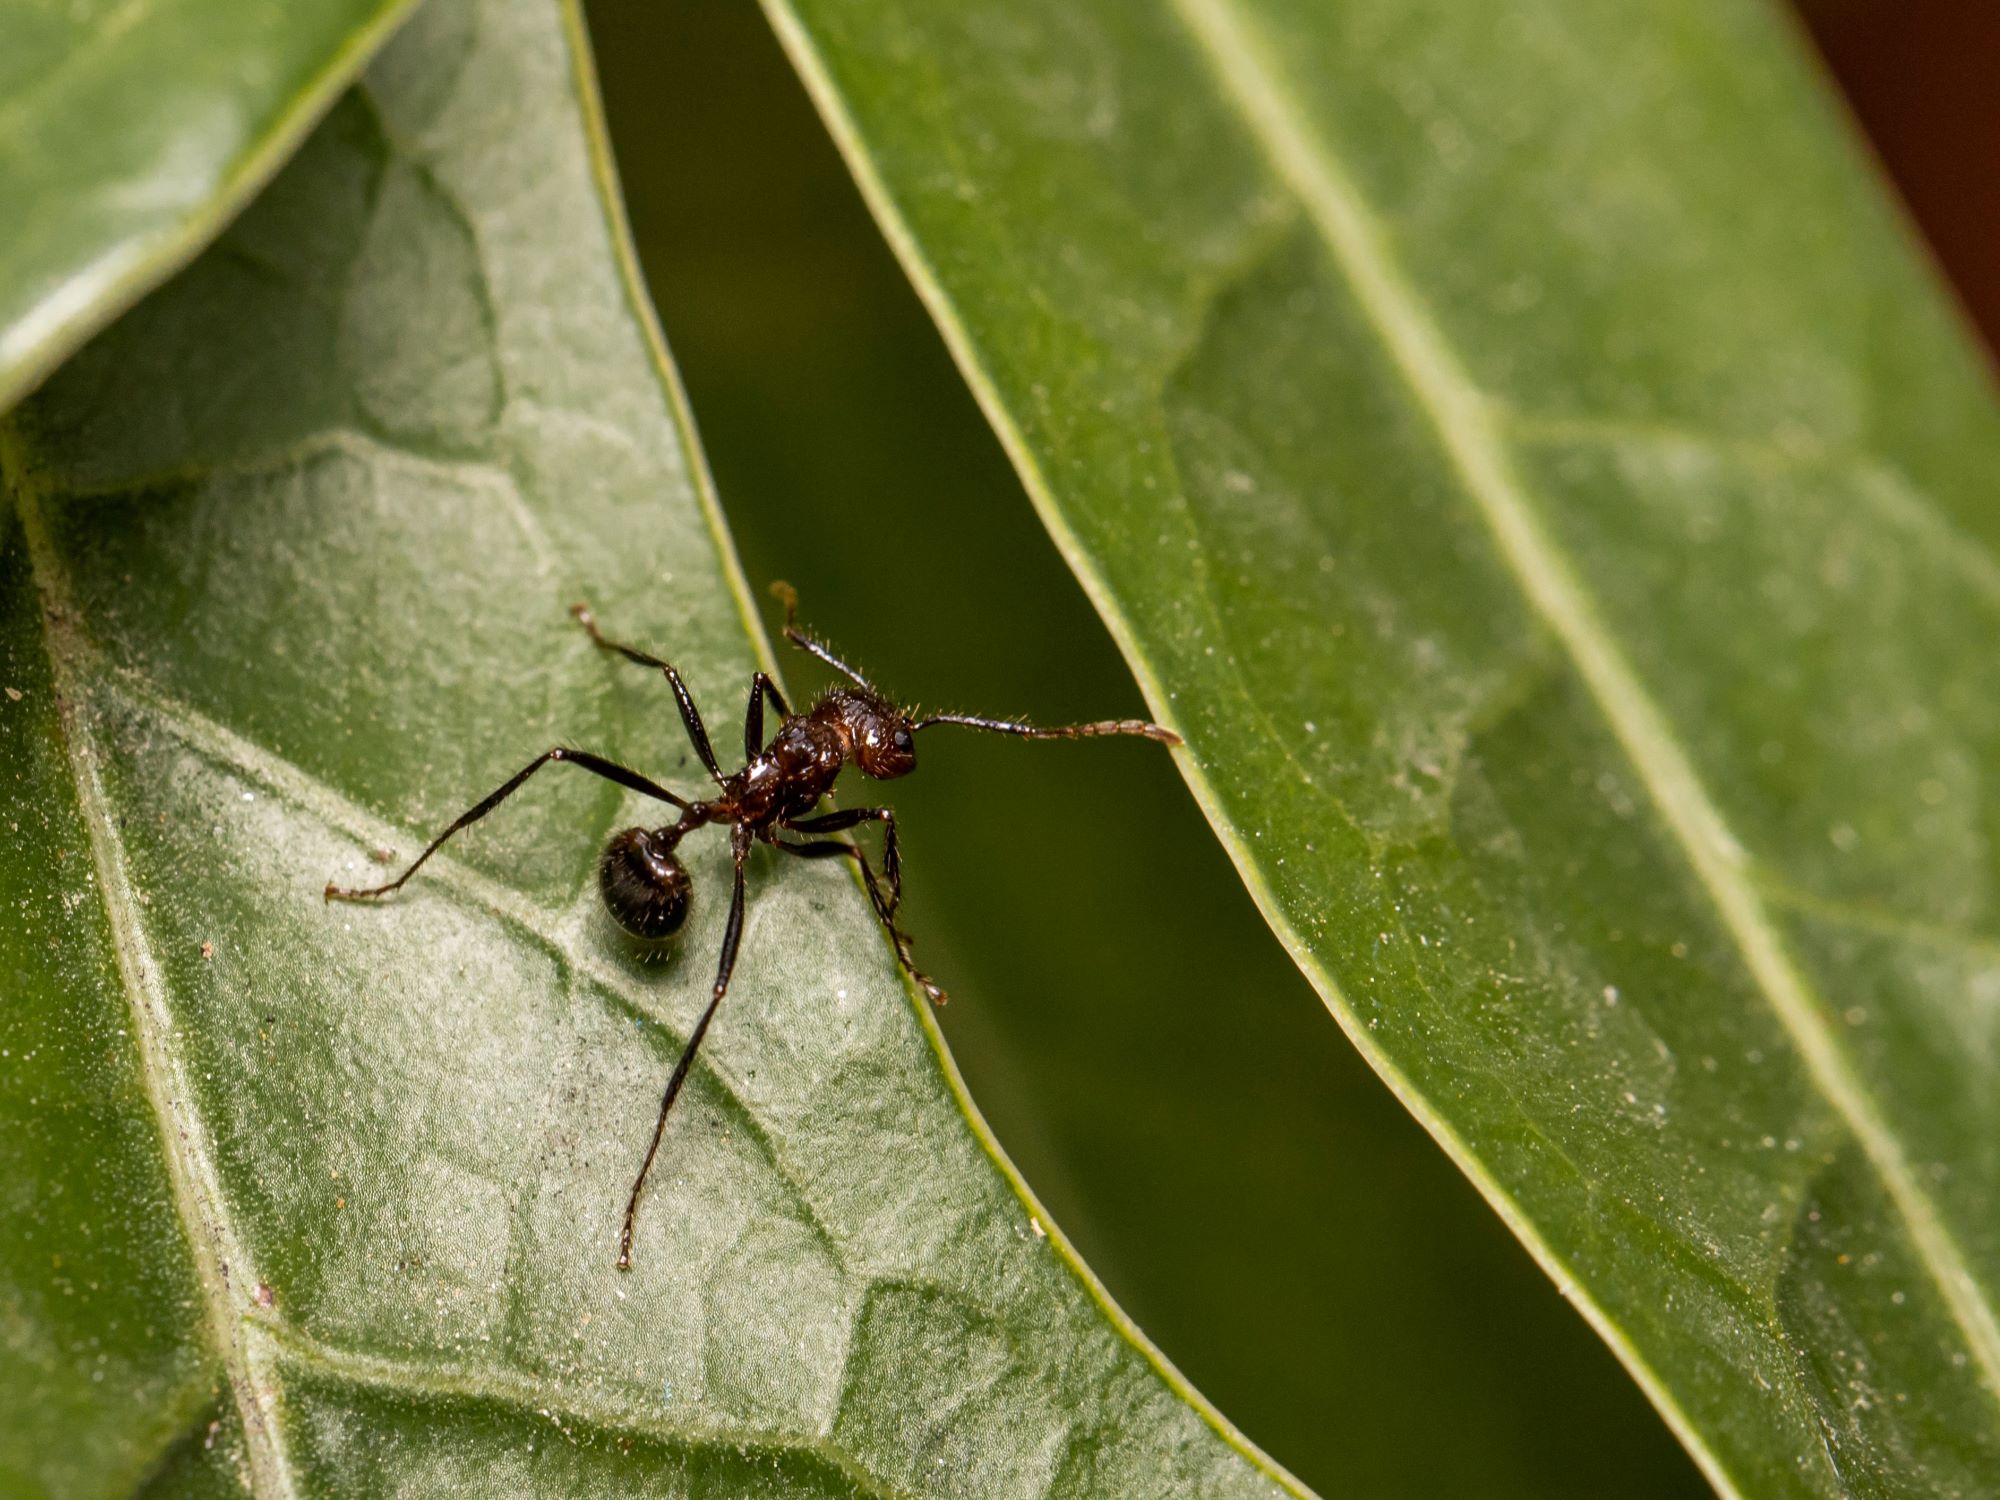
x=647, y=889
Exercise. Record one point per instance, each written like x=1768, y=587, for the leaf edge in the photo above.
x=153, y=258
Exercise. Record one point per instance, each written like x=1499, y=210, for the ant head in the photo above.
x=645, y=885
x=884, y=741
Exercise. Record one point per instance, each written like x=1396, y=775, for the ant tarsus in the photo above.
x=647, y=889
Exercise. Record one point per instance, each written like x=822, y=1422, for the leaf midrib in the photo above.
x=1464, y=421
x=239, y=1331
x=223, y=1270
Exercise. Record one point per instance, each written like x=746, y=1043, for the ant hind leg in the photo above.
x=732, y=940
x=597, y=765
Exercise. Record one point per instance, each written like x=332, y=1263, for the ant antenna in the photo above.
x=1139, y=727
x=788, y=596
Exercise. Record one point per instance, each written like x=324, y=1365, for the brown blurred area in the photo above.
x=1923, y=80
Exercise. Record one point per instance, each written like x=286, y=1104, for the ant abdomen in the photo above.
x=645, y=885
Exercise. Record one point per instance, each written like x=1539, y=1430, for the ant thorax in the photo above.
x=790, y=775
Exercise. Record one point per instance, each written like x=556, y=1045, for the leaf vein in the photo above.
x=1861, y=916
x=501, y=1388
x=222, y=1267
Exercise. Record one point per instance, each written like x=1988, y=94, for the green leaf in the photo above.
x=131, y=132
x=1145, y=1049
x=311, y=1199
x=1519, y=450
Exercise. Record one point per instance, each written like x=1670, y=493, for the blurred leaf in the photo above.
x=1517, y=448
x=131, y=131
x=301, y=529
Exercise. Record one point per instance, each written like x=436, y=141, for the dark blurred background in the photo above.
x=1162, y=1075
x=1922, y=78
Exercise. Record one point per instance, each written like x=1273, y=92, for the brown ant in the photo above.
x=646, y=887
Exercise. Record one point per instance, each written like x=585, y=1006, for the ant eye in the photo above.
x=903, y=741
x=645, y=887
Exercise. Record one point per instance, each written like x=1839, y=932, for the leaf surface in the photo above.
x=130, y=130
x=311, y=1199
x=1519, y=450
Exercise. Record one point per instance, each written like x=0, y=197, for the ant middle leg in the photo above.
x=761, y=688
x=732, y=939
x=854, y=817
x=840, y=849
x=597, y=765
x=697, y=732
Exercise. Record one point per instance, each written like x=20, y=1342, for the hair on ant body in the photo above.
x=647, y=889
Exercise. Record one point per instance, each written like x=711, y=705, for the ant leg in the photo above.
x=690, y=715
x=1056, y=732
x=854, y=817
x=788, y=596
x=597, y=765
x=761, y=687
x=834, y=848
x=732, y=938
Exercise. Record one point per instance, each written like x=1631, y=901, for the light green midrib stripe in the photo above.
x=1471, y=439
x=222, y=1268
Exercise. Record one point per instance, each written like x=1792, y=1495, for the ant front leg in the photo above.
x=839, y=849
x=854, y=817
x=597, y=765
x=732, y=939
x=690, y=715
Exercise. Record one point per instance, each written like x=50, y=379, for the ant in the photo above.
x=647, y=889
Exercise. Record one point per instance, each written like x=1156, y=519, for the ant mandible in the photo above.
x=645, y=886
